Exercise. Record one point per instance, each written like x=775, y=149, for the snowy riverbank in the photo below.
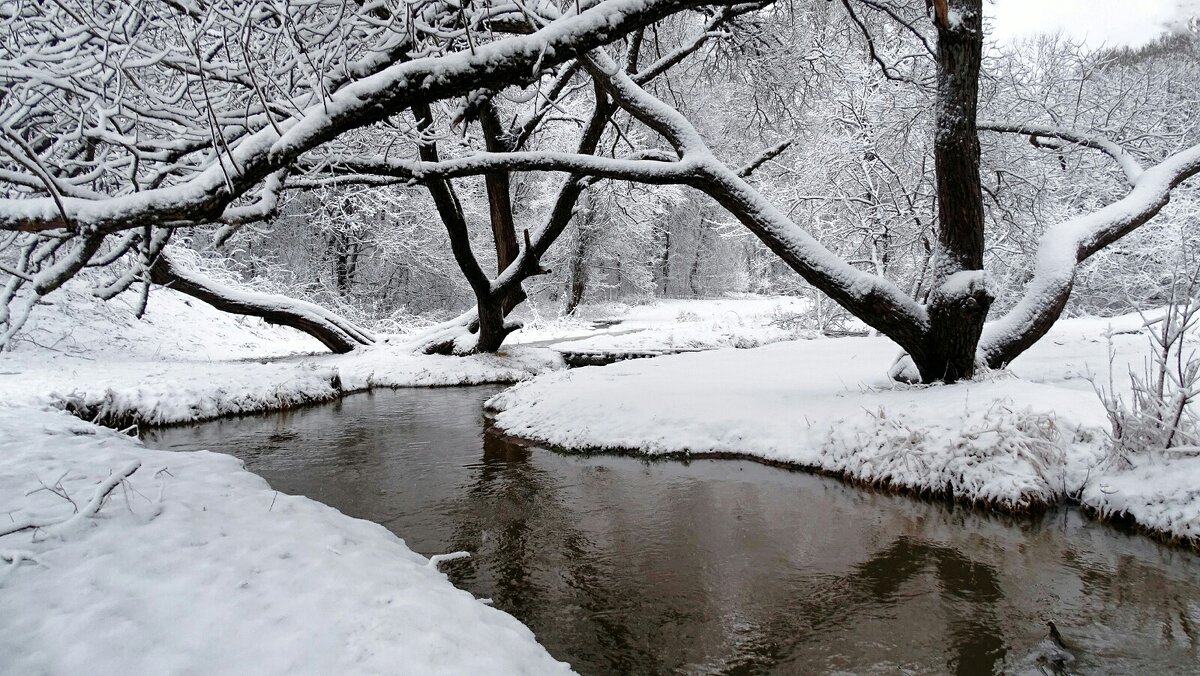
x=192, y=564
x=1015, y=440
x=186, y=361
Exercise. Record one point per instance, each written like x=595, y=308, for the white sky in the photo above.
x=1111, y=22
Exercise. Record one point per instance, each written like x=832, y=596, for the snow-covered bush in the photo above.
x=821, y=314
x=1159, y=414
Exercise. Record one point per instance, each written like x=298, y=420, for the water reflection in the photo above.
x=718, y=567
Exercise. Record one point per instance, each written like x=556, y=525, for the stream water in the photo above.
x=623, y=566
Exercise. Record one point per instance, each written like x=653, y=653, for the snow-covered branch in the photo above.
x=1064, y=246
x=259, y=145
x=336, y=332
x=1128, y=164
x=873, y=298
x=103, y=490
x=658, y=169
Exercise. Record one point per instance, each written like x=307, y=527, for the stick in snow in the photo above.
x=89, y=510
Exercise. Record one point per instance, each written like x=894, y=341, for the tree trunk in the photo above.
x=579, y=273
x=492, y=326
x=959, y=303
x=694, y=273
x=500, y=208
x=337, y=333
x=664, y=261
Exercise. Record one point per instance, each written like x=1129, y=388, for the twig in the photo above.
x=89, y=510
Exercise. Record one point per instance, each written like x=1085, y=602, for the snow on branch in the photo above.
x=239, y=150
x=764, y=157
x=334, y=331
x=1064, y=246
x=59, y=526
x=1129, y=165
x=643, y=167
x=873, y=298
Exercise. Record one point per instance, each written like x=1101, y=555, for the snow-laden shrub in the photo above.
x=1159, y=414
x=1003, y=456
x=821, y=315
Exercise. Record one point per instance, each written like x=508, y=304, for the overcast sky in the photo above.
x=1112, y=22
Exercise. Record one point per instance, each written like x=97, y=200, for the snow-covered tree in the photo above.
x=205, y=114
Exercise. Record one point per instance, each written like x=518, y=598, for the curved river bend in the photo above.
x=624, y=566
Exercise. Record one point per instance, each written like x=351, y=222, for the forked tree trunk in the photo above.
x=336, y=333
x=959, y=302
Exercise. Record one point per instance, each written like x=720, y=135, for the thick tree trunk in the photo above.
x=960, y=299
x=336, y=333
x=492, y=326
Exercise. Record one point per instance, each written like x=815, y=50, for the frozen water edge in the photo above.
x=1013, y=440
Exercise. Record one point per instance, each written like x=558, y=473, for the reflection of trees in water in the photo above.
x=824, y=609
x=537, y=564
x=1148, y=593
x=974, y=640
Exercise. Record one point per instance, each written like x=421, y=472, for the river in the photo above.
x=626, y=566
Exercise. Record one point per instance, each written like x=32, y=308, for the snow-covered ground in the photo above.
x=195, y=566
x=186, y=361
x=667, y=326
x=1013, y=439
x=192, y=564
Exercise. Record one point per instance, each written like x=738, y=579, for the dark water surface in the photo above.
x=622, y=566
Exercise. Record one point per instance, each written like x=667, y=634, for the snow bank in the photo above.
x=682, y=337
x=1004, y=439
x=185, y=361
x=119, y=393
x=822, y=404
x=667, y=326
x=196, y=566
x=1161, y=495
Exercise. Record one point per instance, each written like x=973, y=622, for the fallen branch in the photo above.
x=103, y=490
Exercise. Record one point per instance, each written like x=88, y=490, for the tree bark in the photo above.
x=500, y=207
x=336, y=333
x=960, y=300
x=578, y=269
